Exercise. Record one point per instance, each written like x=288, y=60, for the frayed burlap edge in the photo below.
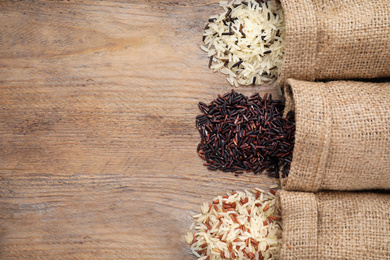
x=299, y=220
x=300, y=44
x=319, y=153
x=342, y=135
x=334, y=225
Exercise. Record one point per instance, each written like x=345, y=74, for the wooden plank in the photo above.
x=97, y=119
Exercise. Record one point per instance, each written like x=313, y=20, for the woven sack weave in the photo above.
x=334, y=225
x=336, y=39
x=342, y=139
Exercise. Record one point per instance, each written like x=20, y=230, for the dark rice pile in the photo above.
x=246, y=134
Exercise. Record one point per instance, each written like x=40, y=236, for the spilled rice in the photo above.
x=240, y=133
x=246, y=41
x=240, y=225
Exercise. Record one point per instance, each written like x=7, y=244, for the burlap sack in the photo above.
x=334, y=225
x=342, y=139
x=336, y=39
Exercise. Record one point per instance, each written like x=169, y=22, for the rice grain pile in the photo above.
x=246, y=41
x=240, y=133
x=240, y=225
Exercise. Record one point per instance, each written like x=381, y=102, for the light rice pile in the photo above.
x=240, y=225
x=246, y=41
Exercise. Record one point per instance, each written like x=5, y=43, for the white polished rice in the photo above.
x=241, y=225
x=246, y=41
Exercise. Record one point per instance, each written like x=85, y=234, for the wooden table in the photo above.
x=97, y=122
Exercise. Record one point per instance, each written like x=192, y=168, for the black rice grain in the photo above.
x=246, y=134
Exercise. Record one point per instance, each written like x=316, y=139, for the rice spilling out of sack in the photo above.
x=246, y=41
x=240, y=225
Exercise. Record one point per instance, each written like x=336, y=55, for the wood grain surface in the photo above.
x=98, y=101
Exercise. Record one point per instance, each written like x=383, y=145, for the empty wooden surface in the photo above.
x=98, y=101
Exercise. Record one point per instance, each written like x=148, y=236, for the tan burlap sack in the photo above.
x=336, y=39
x=342, y=139
x=334, y=225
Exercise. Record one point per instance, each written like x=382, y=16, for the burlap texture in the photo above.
x=334, y=225
x=336, y=39
x=342, y=139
